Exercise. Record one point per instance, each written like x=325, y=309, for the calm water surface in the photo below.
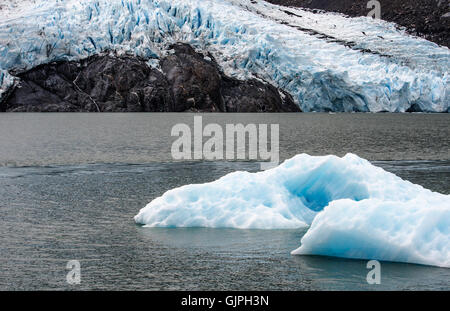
x=70, y=185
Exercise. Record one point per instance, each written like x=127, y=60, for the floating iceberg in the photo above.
x=326, y=61
x=352, y=208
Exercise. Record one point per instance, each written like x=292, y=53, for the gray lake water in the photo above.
x=70, y=185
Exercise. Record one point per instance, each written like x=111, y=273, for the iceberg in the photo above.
x=352, y=208
x=326, y=61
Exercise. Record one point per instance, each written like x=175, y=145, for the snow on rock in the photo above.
x=354, y=209
x=6, y=81
x=326, y=61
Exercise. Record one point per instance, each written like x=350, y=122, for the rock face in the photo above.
x=188, y=81
x=424, y=18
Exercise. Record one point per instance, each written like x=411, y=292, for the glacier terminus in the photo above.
x=325, y=61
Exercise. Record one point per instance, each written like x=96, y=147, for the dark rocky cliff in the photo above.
x=188, y=81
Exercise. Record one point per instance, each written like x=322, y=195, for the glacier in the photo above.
x=350, y=207
x=326, y=61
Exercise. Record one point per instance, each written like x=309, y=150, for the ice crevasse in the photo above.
x=326, y=61
x=353, y=209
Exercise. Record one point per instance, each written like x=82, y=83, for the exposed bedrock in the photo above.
x=188, y=81
x=429, y=19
